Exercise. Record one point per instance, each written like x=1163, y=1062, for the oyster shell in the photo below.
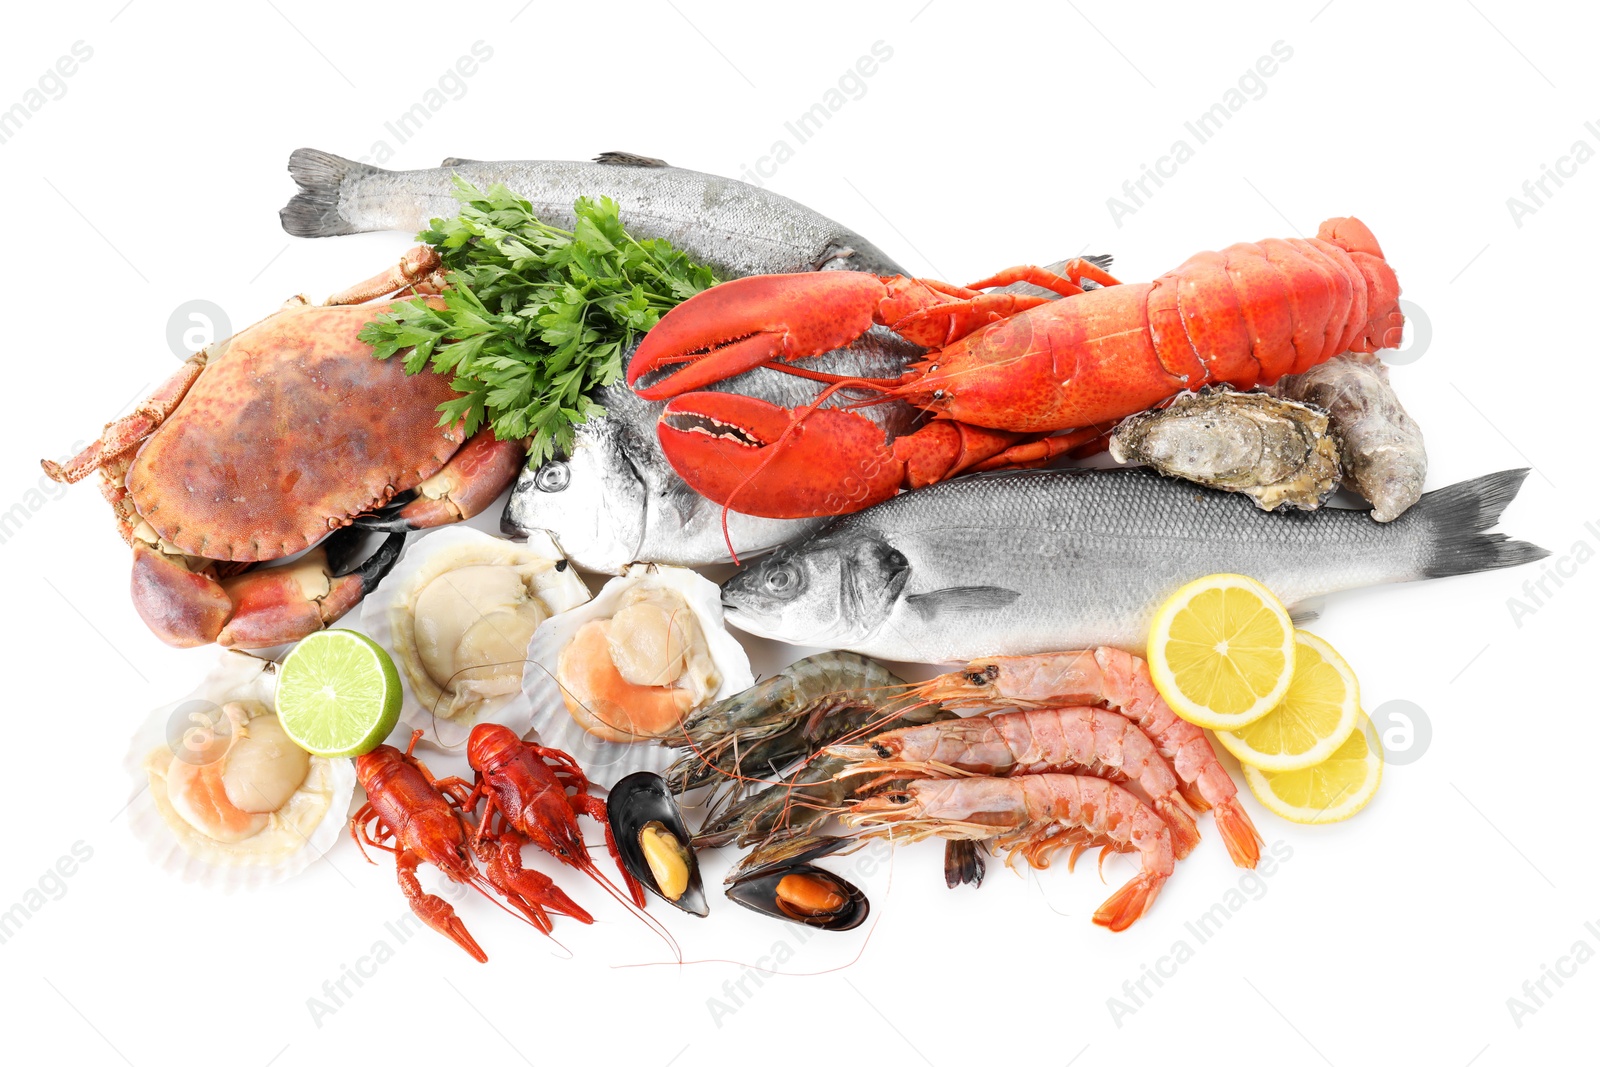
x=458, y=613
x=1381, y=445
x=1278, y=452
x=282, y=809
x=610, y=678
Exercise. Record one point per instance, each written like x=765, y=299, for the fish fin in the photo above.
x=314, y=210
x=456, y=161
x=1458, y=518
x=960, y=598
x=1308, y=610
x=629, y=159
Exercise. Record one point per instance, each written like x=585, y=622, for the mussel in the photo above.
x=654, y=842
x=780, y=881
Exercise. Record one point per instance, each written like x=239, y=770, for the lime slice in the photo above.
x=1331, y=791
x=1221, y=651
x=338, y=694
x=1314, y=718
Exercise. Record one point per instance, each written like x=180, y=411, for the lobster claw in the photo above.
x=743, y=323
x=760, y=459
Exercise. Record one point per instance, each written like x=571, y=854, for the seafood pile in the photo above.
x=872, y=440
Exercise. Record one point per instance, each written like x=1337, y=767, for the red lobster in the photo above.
x=425, y=819
x=1006, y=372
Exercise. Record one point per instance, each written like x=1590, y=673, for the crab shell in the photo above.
x=292, y=430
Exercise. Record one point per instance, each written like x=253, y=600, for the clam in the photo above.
x=1278, y=452
x=654, y=842
x=780, y=881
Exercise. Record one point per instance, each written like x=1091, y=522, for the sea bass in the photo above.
x=1018, y=562
x=730, y=226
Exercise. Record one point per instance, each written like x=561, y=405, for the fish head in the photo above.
x=591, y=501
x=834, y=589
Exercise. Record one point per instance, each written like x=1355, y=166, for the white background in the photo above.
x=989, y=138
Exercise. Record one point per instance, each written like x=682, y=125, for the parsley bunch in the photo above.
x=534, y=318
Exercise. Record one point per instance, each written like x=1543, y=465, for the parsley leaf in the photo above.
x=534, y=318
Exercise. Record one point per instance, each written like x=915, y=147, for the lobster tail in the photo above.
x=1385, y=322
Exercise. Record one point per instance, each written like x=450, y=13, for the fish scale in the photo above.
x=1019, y=562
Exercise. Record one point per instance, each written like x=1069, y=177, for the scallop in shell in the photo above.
x=1278, y=452
x=458, y=613
x=609, y=679
x=225, y=798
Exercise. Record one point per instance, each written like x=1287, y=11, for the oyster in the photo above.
x=1384, y=457
x=629, y=666
x=1278, y=452
x=648, y=828
x=458, y=614
x=230, y=799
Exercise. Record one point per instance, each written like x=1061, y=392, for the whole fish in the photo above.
x=732, y=227
x=1018, y=562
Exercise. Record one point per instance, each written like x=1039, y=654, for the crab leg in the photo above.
x=124, y=434
x=418, y=268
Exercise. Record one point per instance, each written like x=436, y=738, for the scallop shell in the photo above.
x=384, y=618
x=608, y=762
x=183, y=852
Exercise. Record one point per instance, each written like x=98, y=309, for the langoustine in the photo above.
x=1032, y=816
x=1122, y=683
x=1038, y=741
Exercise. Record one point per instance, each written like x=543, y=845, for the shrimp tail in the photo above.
x=1238, y=833
x=1128, y=904
x=1185, y=834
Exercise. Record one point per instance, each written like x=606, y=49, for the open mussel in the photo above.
x=654, y=842
x=781, y=882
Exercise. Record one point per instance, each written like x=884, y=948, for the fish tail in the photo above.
x=322, y=176
x=1460, y=516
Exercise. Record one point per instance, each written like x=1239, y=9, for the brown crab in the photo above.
x=264, y=444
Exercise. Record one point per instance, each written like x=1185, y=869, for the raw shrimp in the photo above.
x=1034, y=816
x=1122, y=682
x=1043, y=740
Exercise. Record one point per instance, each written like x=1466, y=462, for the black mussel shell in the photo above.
x=785, y=852
x=635, y=802
x=760, y=892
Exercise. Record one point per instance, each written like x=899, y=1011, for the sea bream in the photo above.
x=732, y=227
x=1018, y=562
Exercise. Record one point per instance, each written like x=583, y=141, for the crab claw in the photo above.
x=283, y=604
x=760, y=459
x=741, y=324
x=472, y=480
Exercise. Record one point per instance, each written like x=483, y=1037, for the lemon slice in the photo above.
x=1221, y=651
x=338, y=694
x=1331, y=791
x=1313, y=719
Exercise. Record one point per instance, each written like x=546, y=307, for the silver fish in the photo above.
x=730, y=226
x=1381, y=445
x=1020, y=562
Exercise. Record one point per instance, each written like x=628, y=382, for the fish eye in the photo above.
x=782, y=579
x=552, y=477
